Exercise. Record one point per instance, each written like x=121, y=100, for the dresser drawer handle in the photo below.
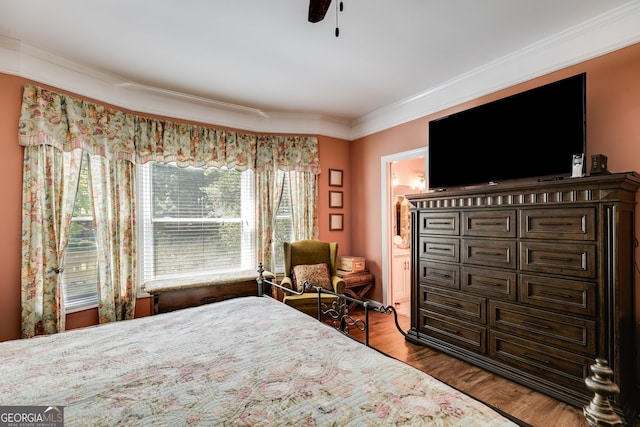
x=438, y=222
x=451, y=331
x=450, y=303
x=535, y=325
x=437, y=249
x=488, y=223
x=555, y=294
x=537, y=359
x=489, y=253
x=439, y=275
x=555, y=258
x=556, y=224
x=487, y=283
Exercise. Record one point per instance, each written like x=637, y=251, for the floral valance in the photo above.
x=67, y=123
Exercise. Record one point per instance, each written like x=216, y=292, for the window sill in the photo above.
x=74, y=308
x=202, y=281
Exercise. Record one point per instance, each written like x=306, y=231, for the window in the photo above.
x=81, y=266
x=283, y=231
x=196, y=222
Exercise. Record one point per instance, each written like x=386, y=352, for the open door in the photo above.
x=403, y=173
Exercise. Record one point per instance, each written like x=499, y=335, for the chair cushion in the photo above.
x=316, y=274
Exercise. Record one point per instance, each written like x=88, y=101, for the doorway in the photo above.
x=402, y=173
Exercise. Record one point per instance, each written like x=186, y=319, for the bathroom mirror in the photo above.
x=402, y=222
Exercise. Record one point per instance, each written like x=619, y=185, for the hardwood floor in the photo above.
x=530, y=406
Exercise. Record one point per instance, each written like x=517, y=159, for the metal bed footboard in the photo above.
x=598, y=412
x=337, y=313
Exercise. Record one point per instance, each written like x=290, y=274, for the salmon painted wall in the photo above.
x=334, y=154
x=613, y=129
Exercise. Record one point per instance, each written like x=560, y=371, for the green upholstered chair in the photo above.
x=303, y=260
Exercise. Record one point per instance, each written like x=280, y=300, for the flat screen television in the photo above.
x=532, y=134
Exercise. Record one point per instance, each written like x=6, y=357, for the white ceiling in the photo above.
x=262, y=60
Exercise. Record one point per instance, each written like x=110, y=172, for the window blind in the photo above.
x=196, y=222
x=80, y=275
x=283, y=231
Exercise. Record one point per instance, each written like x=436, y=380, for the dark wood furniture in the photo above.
x=172, y=297
x=531, y=280
x=357, y=285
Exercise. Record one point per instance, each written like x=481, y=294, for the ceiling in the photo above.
x=264, y=59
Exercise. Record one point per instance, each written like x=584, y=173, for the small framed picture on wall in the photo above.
x=335, y=178
x=335, y=199
x=336, y=222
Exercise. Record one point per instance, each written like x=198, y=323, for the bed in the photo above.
x=244, y=361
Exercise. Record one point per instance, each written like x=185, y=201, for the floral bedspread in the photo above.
x=241, y=362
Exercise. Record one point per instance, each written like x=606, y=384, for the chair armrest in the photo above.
x=338, y=284
x=287, y=282
x=278, y=293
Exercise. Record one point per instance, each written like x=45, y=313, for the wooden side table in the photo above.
x=357, y=285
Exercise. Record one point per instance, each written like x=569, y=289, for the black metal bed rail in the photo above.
x=337, y=312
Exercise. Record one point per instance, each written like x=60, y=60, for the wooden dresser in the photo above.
x=531, y=280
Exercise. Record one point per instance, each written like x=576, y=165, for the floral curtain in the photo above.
x=269, y=186
x=113, y=198
x=53, y=122
x=297, y=156
x=164, y=141
x=50, y=181
x=66, y=122
x=304, y=201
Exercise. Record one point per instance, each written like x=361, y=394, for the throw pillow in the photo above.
x=315, y=274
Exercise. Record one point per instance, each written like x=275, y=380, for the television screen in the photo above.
x=532, y=134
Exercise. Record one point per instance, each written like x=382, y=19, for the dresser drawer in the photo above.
x=570, y=333
x=489, y=223
x=489, y=253
x=439, y=223
x=439, y=274
x=489, y=283
x=569, y=296
x=456, y=332
x=565, y=259
x=439, y=248
x=544, y=362
x=464, y=307
x=558, y=224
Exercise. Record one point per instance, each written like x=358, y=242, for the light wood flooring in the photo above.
x=519, y=401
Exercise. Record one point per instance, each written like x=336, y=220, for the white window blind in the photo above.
x=196, y=222
x=80, y=273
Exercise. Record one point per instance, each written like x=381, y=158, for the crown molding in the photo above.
x=611, y=31
x=20, y=59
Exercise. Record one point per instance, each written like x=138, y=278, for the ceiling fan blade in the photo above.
x=318, y=9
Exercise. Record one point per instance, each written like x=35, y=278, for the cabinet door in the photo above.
x=401, y=273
